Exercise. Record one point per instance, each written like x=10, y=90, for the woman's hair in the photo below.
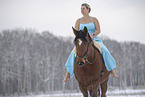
x=87, y=6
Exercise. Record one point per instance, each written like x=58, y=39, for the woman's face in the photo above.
x=84, y=10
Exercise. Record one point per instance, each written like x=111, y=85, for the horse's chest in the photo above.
x=86, y=73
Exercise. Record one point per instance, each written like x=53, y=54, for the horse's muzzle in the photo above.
x=81, y=63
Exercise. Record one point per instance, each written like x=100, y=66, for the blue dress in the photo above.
x=108, y=59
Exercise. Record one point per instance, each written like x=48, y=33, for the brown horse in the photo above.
x=88, y=65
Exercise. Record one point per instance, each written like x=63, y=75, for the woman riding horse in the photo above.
x=93, y=28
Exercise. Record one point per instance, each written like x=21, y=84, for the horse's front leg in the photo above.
x=95, y=89
x=104, y=88
x=83, y=90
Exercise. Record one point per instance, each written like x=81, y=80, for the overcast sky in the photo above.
x=122, y=20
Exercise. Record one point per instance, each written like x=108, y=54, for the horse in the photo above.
x=88, y=65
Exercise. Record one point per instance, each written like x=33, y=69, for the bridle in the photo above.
x=86, y=55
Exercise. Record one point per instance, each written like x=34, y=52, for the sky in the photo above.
x=121, y=20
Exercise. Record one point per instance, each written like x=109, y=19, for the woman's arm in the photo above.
x=77, y=24
x=97, y=25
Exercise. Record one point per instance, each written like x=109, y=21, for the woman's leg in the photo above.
x=114, y=74
x=108, y=59
x=70, y=66
x=66, y=77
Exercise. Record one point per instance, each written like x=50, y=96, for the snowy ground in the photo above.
x=114, y=93
x=80, y=95
x=127, y=93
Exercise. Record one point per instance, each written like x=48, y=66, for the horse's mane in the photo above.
x=81, y=35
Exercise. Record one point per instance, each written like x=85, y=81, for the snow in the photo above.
x=80, y=95
x=114, y=93
x=127, y=91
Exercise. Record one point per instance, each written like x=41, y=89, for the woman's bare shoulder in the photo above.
x=95, y=19
x=79, y=19
x=77, y=23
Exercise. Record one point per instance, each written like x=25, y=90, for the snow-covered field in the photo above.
x=115, y=93
x=127, y=93
x=80, y=95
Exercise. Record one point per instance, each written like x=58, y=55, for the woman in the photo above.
x=93, y=27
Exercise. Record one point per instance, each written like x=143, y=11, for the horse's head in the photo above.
x=82, y=41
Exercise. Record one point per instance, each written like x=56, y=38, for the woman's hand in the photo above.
x=91, y=36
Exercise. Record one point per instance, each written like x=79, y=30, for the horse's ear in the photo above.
x=86, y=30
x=74, y=30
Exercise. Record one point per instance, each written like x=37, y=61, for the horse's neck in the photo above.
x=91, y=53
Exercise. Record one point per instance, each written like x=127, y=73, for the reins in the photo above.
x=86, y=55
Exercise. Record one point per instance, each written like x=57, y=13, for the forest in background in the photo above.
x=32, y=62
